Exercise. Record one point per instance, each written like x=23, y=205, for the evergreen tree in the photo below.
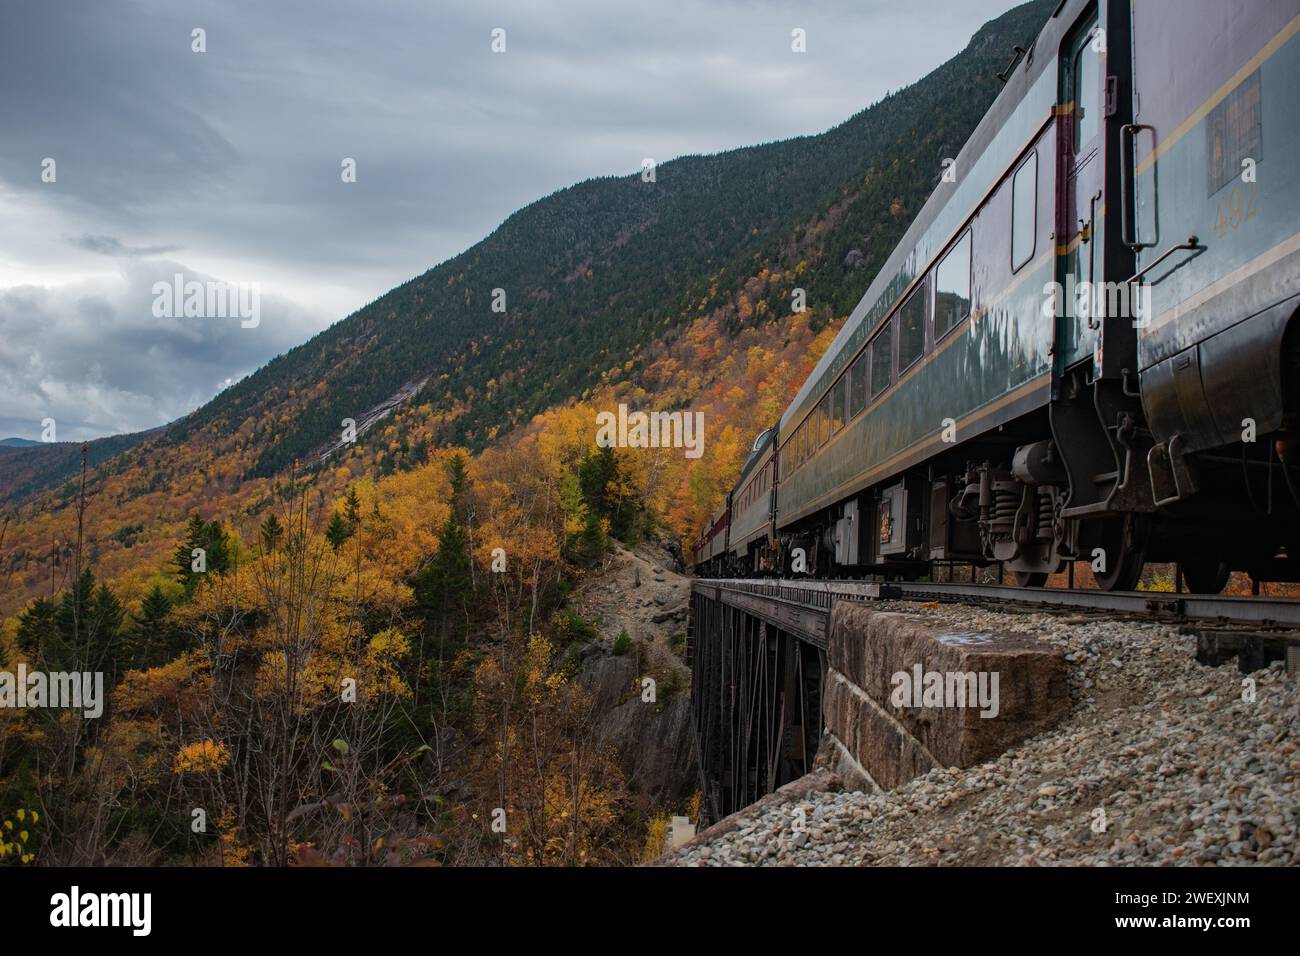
x=596, y=473
x=212, y=538
x=352, y=507
x=36, y=627
x=598, y=478
x=591, y=542
x=458, y=477
x=339, y=531
x=194, y=538
x=155, y=639
x=82, y=631
x=272, y=533
x=447, y=580
x=218, y=547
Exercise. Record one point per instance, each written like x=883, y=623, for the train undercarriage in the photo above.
x=1012, y=499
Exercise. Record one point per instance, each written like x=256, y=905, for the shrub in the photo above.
x=571, y=626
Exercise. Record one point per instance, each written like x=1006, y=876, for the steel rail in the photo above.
x=1164, y=605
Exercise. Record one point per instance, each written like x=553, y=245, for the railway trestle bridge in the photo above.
x=760, y=655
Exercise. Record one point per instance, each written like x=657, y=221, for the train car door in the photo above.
x=1081, y=198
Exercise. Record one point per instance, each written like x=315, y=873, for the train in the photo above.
x=1085, y=348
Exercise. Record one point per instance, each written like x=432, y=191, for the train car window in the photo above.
x=1087, y=93
x=838, y=398
x=858, y=385
x=911, y=327
x=881, y=359
x=1024, y=212
x=952, y=288
x=824, y=420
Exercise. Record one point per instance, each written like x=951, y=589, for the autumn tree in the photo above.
x=295, y=682
x=545, y=768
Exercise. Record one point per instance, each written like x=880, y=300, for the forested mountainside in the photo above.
x=29, y=467
x=431, y=566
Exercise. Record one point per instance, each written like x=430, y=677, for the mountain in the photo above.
x=28, y=467
x=611, y=264
x=600, y=280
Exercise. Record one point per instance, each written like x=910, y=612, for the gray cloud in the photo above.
x=112, y=246
x=93, y=356
x=234, y=154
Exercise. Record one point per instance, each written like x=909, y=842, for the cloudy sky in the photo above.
x=226, y=165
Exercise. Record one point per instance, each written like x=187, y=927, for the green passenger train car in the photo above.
x=1085, y=347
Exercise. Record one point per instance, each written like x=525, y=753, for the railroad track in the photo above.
x=1207, y=610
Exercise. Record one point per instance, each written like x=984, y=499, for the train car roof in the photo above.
x=1041, y=54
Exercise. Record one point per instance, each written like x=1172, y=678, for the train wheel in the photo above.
x=1205, y=575
x=1030, y=579
x=1124, y=543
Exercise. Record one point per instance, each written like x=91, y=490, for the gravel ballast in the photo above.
x=1161, y=761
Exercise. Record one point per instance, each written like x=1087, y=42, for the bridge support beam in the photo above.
x=755, y=699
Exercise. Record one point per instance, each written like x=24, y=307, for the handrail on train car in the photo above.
x=1191, y=245
x=1127, y=185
